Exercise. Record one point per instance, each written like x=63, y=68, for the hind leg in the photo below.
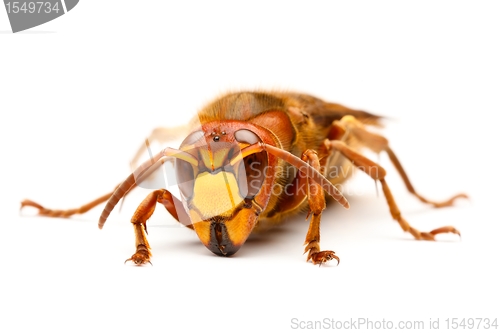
x=348, y=125
x=378, y=143
x=378, y=173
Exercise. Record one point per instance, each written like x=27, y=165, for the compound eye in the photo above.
x=251, y=174
x=246, y=136
x=185, y=177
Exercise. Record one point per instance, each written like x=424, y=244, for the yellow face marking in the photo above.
x=206, y=157
x=219, y=157
x=215, y=194
x=214, y=159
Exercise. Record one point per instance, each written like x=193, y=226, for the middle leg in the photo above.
x=377, y=173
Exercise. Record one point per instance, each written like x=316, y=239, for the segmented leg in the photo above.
x=316, y=199
x=378, y=173
x=378, y=143
x=139, y=219
x=142, y=214
x=68, y=212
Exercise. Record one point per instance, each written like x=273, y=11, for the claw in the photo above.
x=41, y=210
x=450, y=201
x=430, y=236
x=139, y=263
x=139, y=258
x=317, y=256
x=445, y=230
x=324, y=256
x=30, y=203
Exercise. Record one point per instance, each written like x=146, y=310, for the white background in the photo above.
x=79, y=94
